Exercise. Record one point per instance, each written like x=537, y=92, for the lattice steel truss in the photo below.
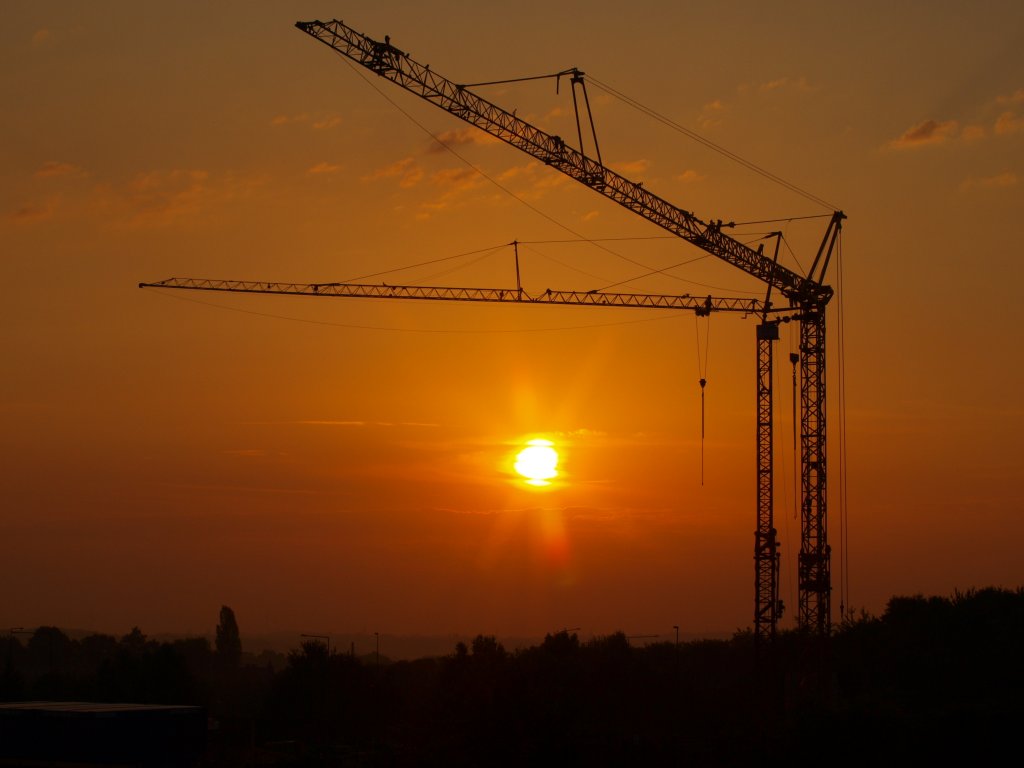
x=808, y=293
x=767, y=608
x=814, y=579
x=701, y=304
x=807, y=296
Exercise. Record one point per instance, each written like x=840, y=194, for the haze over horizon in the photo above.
x=349, y=464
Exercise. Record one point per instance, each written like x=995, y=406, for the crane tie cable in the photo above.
x=563, y=73
x=709, y=144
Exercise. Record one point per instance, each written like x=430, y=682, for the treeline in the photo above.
x=932, y=678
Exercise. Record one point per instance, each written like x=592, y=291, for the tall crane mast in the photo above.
x=808, y=294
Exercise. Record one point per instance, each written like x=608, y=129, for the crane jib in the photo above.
x=396, y=65
x=699, y=304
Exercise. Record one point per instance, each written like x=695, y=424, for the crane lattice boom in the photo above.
x=395, y=65
x=699, y=304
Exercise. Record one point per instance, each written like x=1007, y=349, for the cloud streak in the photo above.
x=929, y=133
x=460, y=137
x=407, y=171
x=323, y=168
x=30, y=213
x=1003, y=180
x=53, y=169
x=304, y=118
x=1008, y=124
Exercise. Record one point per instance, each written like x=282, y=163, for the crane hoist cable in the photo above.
x=794, y=358
x=669, y=122
x=844, y=516
x=702, y=371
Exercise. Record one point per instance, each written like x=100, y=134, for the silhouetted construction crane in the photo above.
x=807, y=298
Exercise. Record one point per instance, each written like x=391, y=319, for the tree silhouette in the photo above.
x=229, y=644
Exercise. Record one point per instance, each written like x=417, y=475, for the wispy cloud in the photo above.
x=456, y=178
x=973, y=133
x=53, y=168
x=407, y=171
x=451, y=184
x=931, y=132
x=317, y=123
x=531, y=181
x=325, y=123
x=460, y=137
x=584, y=432
x=711, y=114
x=783, y=84
x=927, y=134
x=1017, y=97
x=631, y=167
x=999, y=181
x=155, y=198
x=1009, y=123
x=241, y=489
x=346, y=423
x=160, y=197
x=690, y=176
x=30, y=213
x=287, y=119
x=324, y=167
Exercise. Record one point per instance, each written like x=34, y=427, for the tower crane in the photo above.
x=807, y=298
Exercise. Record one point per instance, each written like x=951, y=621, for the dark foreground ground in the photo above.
x=931, y=679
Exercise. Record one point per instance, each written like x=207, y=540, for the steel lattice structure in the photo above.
x=807, y=297
x=701, y=304
x=813, y=568
x=767, y=608
x=810, y=295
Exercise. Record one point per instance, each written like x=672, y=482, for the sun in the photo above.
x=537, y=462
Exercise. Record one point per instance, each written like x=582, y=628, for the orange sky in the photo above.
x=344, y=465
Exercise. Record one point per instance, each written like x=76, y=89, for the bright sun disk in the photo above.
x=537, y=462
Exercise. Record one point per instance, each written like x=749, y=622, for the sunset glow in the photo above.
x=328, y=463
